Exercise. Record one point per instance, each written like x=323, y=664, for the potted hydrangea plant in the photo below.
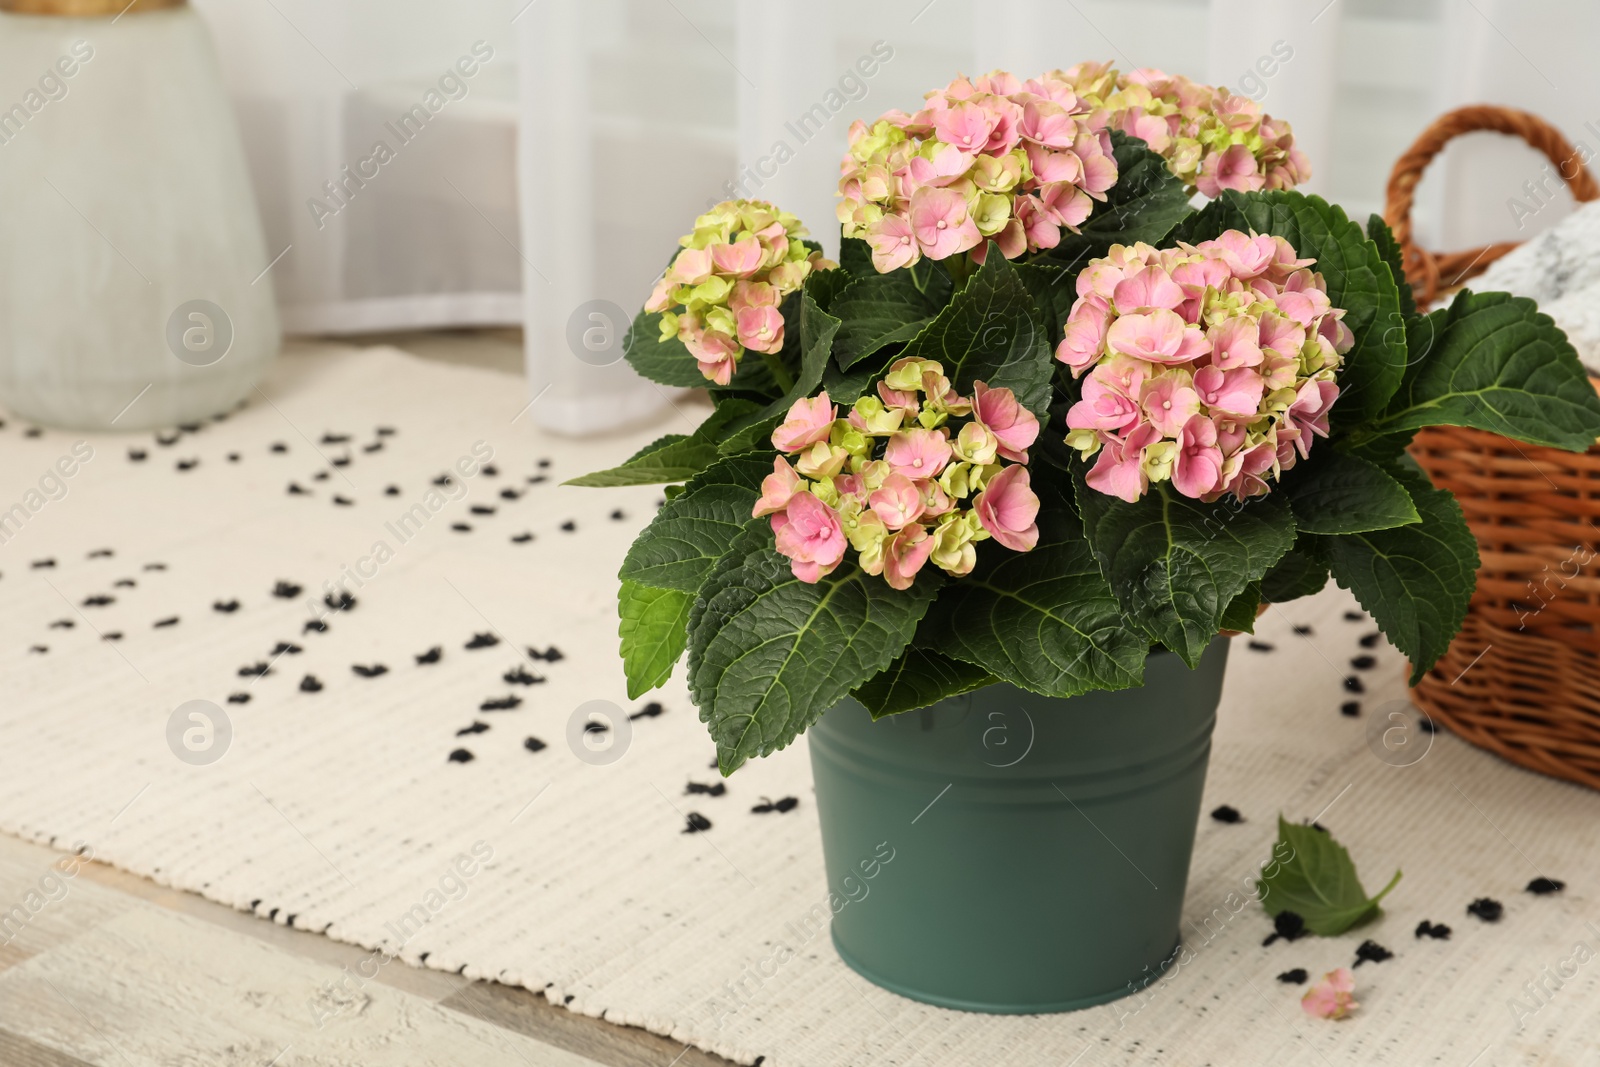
x=1017, y=464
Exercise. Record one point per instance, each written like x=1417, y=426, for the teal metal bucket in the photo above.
x=1010, y=853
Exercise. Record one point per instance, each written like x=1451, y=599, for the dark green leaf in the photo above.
x=675, y=457
x=654, y=630
x=1146, y=204
x=885, y=309
x=1241, y=612
x=667, y=362
x=1416, y=580
x=855, y=257
x=1380, y=234
x=1357, y=277
x=693, y=529
x=1301, y=572
x=1043, y=620
x=1494, y=362
x=824, y=285
x=768, y=653
x=1312, y=875
x=1334, y=493
x=844, y=388
x=990, y=332
x=1176, y=564
x=917, y=678
x=1053, y=287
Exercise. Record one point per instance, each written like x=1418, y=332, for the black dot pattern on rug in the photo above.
x=505, y=703
x=101, y=553
x=537, y=479
x=137, y=455
x=320, y=476
x=1351, y=708
x=1486, y=908
x=113, y=635
x=99, y=601
x=1354, y=616
x=618, y=515
x=124, y=583
x=481, y=509
x=42, y=564
x=279, y=446
x=170, y=620
x=314, y=626
x=1227, y=813
x=233, y=457
x=1371, y=640
x=533, y=744
x=62, y=624
x=255, y=670
x=155, y=566
x=375, y=446
x=1364, y=663
x=569, y=526
x=187, y=464
x=342, y=501
x=592, y=727
x=392, y=490
x=1261, y=646
x=430, y=656
x=1426, y=725
x=521, y=538
x=1369, y=951
x=442, y=480
x=699, y=789
x=519, y=675
x=343, y=602
x=296, y=489
x=238, y=698
x=1542, y=885
x=461, y=527
x=1437, y=931
x=371, y=671
x=475, y=728
x=39, y=648
x=286, y=590
x=461, y=755
x=226, y=607
x=310, y=684
x=1352, y=684
x=782, y=805
x=385, y=431
x=697, y=823
x=649, y=711
x=288, y=648
x=543, y=464
x=1297, y=976
x=335, y=438
x=549, y=655
x=510, y=494
x=1303, y=631
x=167, y=440
x=488, y=640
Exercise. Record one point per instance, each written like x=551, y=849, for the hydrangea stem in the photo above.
x=779, y=371
x=960, y=268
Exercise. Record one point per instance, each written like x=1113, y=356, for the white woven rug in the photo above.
x=340, y=810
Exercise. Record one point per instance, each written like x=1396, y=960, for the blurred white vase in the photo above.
x=133, y=283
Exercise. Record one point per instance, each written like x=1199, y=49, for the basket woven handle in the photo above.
x=1425, y=269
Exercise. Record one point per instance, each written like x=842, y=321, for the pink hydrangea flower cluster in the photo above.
x=986, y=158
x=742, y=259
x=1211, y=139
x=890, y=478
x=1209, y=365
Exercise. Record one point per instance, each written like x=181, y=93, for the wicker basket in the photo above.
x=1523, y=678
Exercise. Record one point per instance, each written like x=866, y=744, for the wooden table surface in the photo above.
x=115, y=970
